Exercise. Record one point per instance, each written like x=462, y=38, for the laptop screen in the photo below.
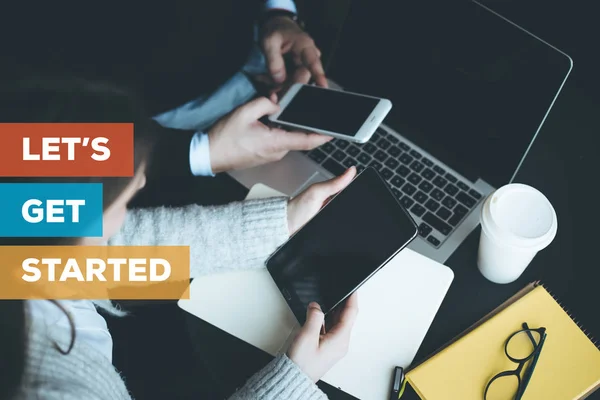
x=466, y=85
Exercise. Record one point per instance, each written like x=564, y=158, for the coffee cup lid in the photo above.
x=521, y=216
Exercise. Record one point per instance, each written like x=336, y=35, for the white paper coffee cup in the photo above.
x=517, y=221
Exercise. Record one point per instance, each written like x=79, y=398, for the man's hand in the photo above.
x=281, y=36
x=239, y=140
x=314, y=353
x=308, y=203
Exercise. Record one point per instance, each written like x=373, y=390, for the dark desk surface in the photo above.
x=563, y=164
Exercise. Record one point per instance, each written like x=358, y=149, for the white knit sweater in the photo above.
x=221, y=238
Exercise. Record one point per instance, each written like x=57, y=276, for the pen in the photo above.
x=397, y=383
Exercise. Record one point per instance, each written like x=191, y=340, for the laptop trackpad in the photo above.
x=315, y=178
x=285, y=176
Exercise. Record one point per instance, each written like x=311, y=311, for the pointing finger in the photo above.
x=273, y=53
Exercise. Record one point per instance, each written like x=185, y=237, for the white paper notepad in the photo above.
x=397, y=306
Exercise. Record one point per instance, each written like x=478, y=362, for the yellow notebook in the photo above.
x=568, y=366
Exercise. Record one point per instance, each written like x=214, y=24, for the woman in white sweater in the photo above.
x=63, y=350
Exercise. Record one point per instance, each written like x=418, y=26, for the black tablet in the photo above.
x=347, y=242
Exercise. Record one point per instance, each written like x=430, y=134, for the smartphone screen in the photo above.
x=329, y=110
x=344, y=244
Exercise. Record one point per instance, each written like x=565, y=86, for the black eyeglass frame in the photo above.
x=534, y=356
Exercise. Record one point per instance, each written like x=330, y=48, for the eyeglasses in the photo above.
x=520, y=347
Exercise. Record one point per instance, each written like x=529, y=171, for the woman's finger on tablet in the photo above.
x=337, y=184
x=308, y=203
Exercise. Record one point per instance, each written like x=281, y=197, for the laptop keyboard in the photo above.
x=436, y=199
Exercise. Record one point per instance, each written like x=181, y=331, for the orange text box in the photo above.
x=66, y=149
x=94, y=272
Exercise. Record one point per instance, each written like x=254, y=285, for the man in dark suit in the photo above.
x=191, y=61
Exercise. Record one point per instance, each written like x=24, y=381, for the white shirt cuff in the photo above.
x=288, y=5
x=200, y=155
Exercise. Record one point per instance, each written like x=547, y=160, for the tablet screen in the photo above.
x=344, y=244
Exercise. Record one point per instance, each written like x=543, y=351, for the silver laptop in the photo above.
x=470, y=92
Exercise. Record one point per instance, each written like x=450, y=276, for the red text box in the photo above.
x=66, y=149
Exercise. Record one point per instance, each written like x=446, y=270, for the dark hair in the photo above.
x=12, y=346
x=61, y=100
x=76, y=100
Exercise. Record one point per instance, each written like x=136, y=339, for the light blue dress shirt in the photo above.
x=201, y=113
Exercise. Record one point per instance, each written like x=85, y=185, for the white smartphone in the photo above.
x=344, y=115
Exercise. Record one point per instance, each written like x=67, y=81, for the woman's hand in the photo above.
x=314, y=353
x=308, y=203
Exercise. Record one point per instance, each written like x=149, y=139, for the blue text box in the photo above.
x=13, y=196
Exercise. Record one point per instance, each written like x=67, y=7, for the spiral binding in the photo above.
x=594, y=341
